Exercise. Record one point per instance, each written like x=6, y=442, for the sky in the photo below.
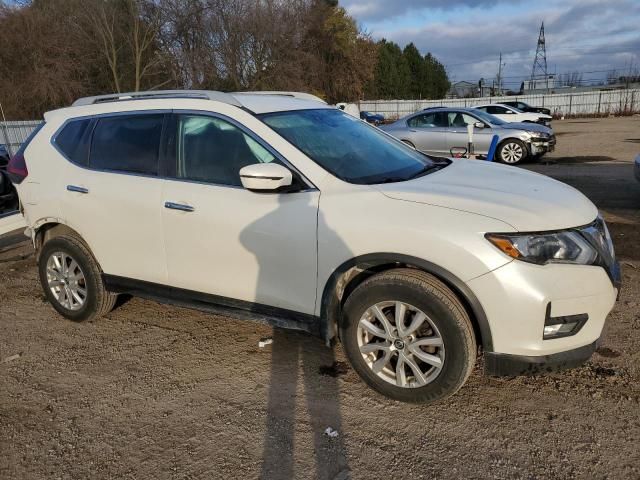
x=467, y=36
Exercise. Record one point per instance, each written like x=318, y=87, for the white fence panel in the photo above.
x=12, y=134
x=581, y=103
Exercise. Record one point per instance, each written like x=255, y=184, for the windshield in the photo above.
x=349, y=148
x=487, y=117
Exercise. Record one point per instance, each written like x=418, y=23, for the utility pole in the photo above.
x=539, y=69
x=499, y=77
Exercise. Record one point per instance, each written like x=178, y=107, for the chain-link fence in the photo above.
x=604, y=102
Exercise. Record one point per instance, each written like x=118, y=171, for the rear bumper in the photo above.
x=503, y=364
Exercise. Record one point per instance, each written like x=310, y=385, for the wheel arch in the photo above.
x=353, y=272
x=50, y=228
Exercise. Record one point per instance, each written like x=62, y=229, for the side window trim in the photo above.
x=94, y=119
x=171, y=160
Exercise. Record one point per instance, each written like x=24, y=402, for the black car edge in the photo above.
x=527, y=108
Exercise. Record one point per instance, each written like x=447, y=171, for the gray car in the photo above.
x=440, y=131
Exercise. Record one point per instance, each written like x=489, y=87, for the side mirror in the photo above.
x=479, y=125
x=265, y=177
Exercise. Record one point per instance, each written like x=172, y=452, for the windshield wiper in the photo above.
x=428, y=169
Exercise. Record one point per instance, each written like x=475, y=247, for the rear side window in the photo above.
x=429, y=120
x=74, y=140
x=127, y=144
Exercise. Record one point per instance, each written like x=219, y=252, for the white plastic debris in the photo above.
x=330, y=432
x=264, y=342
x=12, y=358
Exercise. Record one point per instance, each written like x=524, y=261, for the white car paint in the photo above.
x=281, y=250
x=9, y=223
x=512, y=114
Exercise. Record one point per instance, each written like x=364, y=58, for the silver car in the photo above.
x=440, y=131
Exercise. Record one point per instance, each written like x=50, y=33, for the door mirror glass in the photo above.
x=265, y=177
x=479, y=125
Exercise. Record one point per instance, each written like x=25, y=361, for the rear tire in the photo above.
x=410, y=368
x=72, y=280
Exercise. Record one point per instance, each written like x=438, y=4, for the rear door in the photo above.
x=428, y=132
x=112, y=191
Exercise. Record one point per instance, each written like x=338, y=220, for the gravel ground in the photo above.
x=154, y=391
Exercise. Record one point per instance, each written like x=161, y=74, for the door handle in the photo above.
x=77, y=189
x=178, y=206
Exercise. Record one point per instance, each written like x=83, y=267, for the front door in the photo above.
x=458, y=135
x=223, y=240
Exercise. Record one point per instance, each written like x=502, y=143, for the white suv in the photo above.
x=283, y=209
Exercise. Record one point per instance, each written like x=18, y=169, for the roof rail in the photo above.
x=299, y=95
x=155, y=94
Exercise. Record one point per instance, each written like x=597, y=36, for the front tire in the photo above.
x=72, y=280
x=408, y=336
x=512, y=151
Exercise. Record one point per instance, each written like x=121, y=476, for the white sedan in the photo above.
x=512, y=114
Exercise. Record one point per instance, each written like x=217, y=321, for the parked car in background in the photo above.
x=291, y=212
x=437, y=131
x=525, y=107
x=510, y=114
x=374, y=118
x=636, y=168
x=8, y=195
x=350, y=108
x=4, y=156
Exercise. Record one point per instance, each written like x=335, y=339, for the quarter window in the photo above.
x=74, y=140
x=127, y=144
x=212, y=150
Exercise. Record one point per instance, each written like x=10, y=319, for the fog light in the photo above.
x=565, y=326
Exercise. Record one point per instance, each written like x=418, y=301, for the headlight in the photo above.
x=542, y=248
x=538, y=134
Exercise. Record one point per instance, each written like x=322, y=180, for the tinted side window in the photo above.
x=74, y=140
x=459, y=119
x=428, y=120
x=127, y=144
x=212, y=150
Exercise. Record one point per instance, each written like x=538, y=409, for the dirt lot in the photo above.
x=155, y=391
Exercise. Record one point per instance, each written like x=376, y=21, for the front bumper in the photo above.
x=540, y=146
x=501, y=364
x=519, y=296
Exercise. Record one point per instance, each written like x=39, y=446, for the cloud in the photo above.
x=380, y=9
x=582, y=35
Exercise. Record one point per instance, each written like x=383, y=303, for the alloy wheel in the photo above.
x=66, y=281
x=512, y=153
x=401, y=344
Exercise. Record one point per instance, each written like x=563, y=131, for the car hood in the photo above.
x=527, y=201
x=532, y=127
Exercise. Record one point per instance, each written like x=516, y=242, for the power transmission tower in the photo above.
x=539, y=69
